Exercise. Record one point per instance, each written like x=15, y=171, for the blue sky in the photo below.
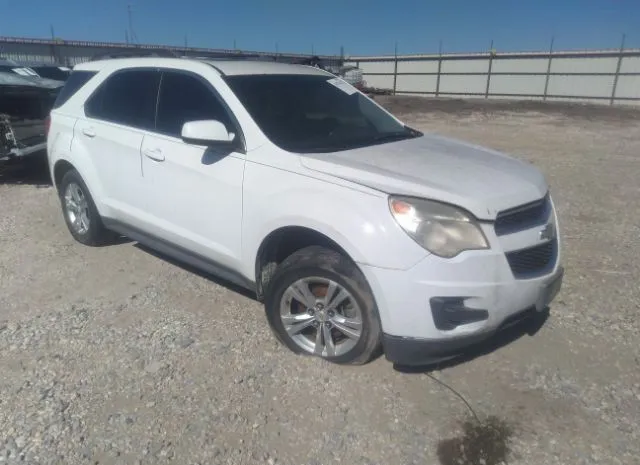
x=361, y=26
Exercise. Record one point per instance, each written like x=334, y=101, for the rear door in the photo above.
x=194, y=193
x=118, y=113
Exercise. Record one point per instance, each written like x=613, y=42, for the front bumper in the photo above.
x=409, y=351
x=439, y=307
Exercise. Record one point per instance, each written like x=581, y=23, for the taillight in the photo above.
x=47, y=125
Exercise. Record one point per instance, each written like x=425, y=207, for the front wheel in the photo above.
x=318, y=303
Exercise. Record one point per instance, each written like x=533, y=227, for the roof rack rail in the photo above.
x=241, y=57
x=135, y=54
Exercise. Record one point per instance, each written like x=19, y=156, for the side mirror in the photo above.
x=207, y=132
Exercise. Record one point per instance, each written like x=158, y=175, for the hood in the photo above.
x=477, y=179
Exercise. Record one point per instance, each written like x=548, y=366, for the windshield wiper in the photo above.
x=408, y=133
x=391, y=136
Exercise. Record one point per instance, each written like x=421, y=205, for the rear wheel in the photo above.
x=80, y=213
x=318, y=303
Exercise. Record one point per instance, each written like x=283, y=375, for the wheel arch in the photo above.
x=60, y=168
x=86, y=171
x=281, y=243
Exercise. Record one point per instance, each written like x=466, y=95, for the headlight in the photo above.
x=441, y=229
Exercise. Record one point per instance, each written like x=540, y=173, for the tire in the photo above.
x=91, y=230
x=341, y=315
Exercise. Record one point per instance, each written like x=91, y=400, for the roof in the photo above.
x=230, y=67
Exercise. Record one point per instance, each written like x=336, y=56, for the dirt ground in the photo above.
x=116, y=356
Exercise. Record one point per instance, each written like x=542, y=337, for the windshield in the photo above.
x=311, y=113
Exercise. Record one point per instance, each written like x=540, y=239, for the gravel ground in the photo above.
x=116, y=356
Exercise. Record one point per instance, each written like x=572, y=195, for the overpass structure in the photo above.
x=70, y=52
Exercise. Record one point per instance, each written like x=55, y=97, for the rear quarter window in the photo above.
x=76, y=80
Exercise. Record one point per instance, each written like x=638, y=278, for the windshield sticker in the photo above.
x=344, y=86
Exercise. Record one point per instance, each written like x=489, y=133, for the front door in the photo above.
x=194, y=193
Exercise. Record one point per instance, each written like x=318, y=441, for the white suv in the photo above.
x=357, y=232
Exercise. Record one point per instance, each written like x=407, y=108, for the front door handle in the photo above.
x=154, y=154
x=89, y=132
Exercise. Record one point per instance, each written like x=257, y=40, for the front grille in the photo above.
x=523, y=217
x=533, y=261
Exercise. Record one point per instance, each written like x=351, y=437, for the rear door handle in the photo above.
x=154, y=154
x=89, y=132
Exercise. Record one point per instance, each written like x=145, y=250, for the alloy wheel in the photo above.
x=77, y=208
x=321, y=316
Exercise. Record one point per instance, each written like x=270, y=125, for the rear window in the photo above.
x=76, y=80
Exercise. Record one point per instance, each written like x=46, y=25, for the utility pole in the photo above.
x=491, y=54
x=617, y=75
x=134, y=37
x=395, y=68
x=548, y=76
x=53, y=47
x=439, y=68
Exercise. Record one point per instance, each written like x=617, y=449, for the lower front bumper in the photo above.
x=407, y=351
x=412, y=351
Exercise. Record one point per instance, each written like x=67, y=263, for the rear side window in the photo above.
x=186, y=98
x=128, y=97
x=76, y=80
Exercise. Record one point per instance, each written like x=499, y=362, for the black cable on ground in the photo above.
x=460, y=396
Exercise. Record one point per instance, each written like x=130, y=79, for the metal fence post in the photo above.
x=486, y=93
x=439, y=69
x=546, y=82
x=395, y=69
x=617, y=75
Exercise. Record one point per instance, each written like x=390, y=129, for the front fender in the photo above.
x=358, y=222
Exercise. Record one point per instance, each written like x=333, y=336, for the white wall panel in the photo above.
x=584, y=65
x=630, y=65
x=417, y=83
x=377, y=67
x=517, y=84
x=382, y=82
x=628, y=86
x=465, y=66
x=463, y=84
x=520, y=65
x=417, y=66
x=583, y=86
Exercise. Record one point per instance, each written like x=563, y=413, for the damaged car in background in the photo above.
x=25, y=103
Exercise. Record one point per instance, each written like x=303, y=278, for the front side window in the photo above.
x=314, y=113
x=186, y=98
x=128, y=97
